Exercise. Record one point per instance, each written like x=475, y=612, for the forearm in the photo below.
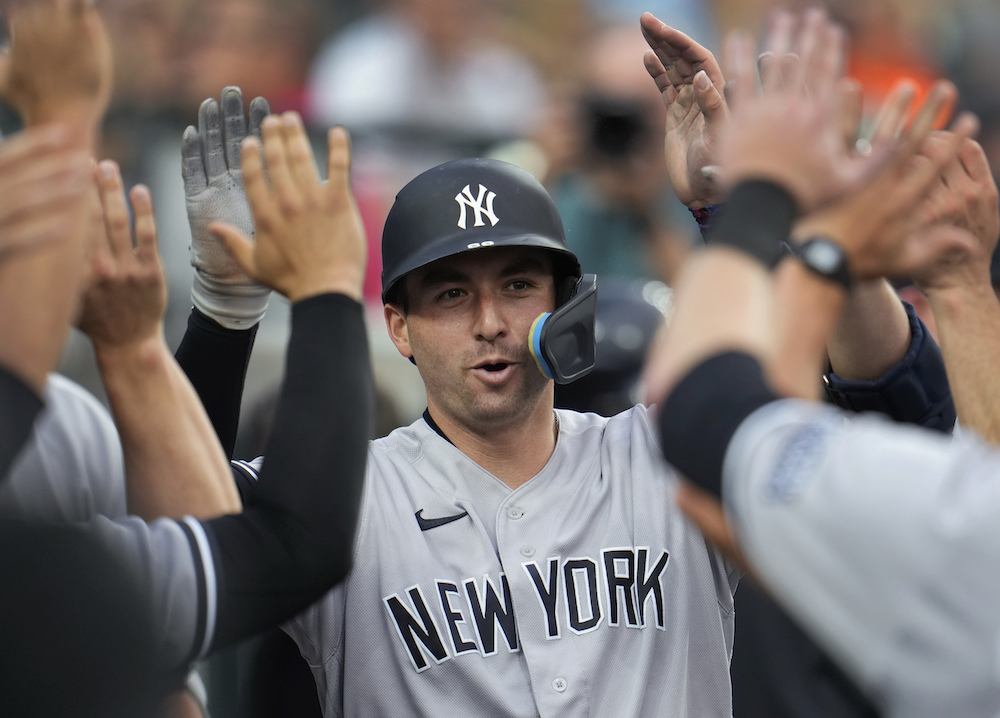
x=174, y=465
x=873, y=333
x=215, y=360
x=914, y=390
x=47, y=282
x=808, y=309
x=968, y=320
x=299, y=527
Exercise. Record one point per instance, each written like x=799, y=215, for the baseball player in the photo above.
x=873, y=535
x=515, y=560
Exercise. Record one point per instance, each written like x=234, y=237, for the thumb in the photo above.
x=710, y=101
x=240, y=248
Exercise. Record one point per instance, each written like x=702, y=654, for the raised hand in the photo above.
x=691, y=84
x=41, y=180
x=880, y=226
x=965, y=199
x=59, y=64
x=126, y=293
x=213, y=190
x=310, y=239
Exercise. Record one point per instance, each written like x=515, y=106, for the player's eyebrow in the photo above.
x=442, y=275
x=525, y=265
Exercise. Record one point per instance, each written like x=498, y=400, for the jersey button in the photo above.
x=514, y=513
x=559, y=685
x=528, y=551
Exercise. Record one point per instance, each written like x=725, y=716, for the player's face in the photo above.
x=467, y=330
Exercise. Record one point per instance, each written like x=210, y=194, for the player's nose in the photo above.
x=490, y=322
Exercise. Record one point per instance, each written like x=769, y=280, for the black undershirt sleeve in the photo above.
x=20, y=406
x=705, y=409
x=294, y=539
x=215, y=360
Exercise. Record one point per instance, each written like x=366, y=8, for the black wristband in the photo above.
x=703, y=412
x=756, y=218
x=20, y=407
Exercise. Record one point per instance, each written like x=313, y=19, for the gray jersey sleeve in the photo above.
x=174, y=566
x=71, y=468
x=880, y=539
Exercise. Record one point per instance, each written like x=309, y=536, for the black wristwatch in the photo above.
x=825, y=258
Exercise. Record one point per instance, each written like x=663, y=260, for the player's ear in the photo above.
x=395, y=322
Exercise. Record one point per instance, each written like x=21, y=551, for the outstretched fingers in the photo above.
x=891, y=117
x=276, y=155
x=850, y=110
x=942, y=95
x=192, y=164
x=255, y=185
x=145, y=226
x=210, y=132
x=259, y=109
x=679, y=55
x=234, y=125
x=338, y=161
x=301, y=163
x=116, y=218
x=740, y=67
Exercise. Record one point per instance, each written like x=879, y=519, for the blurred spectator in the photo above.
x=263, y=46
x=425, y=66
x=693, y=17
x=617, y=206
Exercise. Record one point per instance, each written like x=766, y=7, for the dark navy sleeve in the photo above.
x=215, y=360
x=914, y=390
x=295, y=537
x=19, y=406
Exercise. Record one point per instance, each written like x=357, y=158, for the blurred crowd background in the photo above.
x=556, y=86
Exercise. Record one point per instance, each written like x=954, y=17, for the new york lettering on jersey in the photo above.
x=445, y=621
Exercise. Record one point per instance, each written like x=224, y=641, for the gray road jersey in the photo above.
x=72, y=466
x=883, y=540
x=584, y=592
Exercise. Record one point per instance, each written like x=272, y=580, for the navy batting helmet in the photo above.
x=473, y=204
x=466, y=205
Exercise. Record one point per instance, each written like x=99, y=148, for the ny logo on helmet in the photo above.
x=465, y=199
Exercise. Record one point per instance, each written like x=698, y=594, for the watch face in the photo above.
x=823, y=256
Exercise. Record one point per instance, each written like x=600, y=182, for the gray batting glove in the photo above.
x=213, y=190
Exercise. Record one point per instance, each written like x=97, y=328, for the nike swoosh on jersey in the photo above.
x=434, y=523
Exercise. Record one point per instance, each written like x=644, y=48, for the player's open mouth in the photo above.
x=494, y=372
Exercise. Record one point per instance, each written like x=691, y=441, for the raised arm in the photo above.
x=228, y=305
x=692, y=87
x=294, y=539
x=781, y=148
x=959, y=289
x=174, y=465
x=56, y=71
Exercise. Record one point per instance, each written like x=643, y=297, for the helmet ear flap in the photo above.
x=566, y=289
x=563, y=342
